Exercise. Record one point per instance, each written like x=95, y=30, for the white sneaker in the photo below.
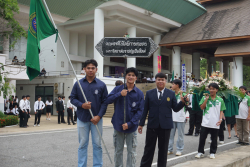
x=210, y=141
x=199, y=155
x=125, y=145
x=34, y=125
x=170, y=152
x=212, y=156
x=178, y=153
x=38, y=125
x=49, y=119
x=221, y=142
x=46, y=118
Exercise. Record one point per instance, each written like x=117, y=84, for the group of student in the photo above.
x=11, y=105
x=166, y=114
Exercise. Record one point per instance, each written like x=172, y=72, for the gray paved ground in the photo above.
x=59, y=149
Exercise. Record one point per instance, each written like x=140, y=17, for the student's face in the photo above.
x=39, y=99
x=243, y=91
x=175, y=86
x=131, y=78
x=212, y=90
x=90, y=70
x=59, y=98
x=15, y=106
x=27, y=98
x=24, y=98
x=160, y=83
x=248, y=93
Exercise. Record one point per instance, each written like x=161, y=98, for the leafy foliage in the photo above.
x=8, y=120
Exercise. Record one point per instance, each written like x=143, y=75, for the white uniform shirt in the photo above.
x=243, y=108
x=17, y=100
x=69, y=105
x=49, y=103
x=190, y=96
x=41, y=105
x=74, y=109
x=8, y=111
x=15, y=111
x=64, y=105
x=158, y=93
x=22, y=105
x=28, y=104
x=181, y=115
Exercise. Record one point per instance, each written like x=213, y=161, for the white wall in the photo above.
x=90, y=46
x=82, y=45
x=73, y=43
x=19, y=49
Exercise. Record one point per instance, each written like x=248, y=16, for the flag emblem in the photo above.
x=96, y=91
x=32, y=24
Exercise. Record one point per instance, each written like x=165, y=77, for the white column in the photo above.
x=176, y=61
x=238, y=72
x=13, y=84
x=221, y=67
x=232, y=73
x=2, y=60
x=196, y=64
x=6, y=46
x=157, y=40
x=98, y=35
x=106, y=70
x=131, y=62
x=226, y=69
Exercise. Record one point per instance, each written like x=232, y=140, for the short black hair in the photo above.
x=243, y=87
x=38, y=97
x=59, y=96
x=63, y=97
x=118, y=83
x=91, y=61
x=160, y=75
x=132, y=69
x=16, y=96
x=23, y=96
x=14, y=100
x=199, y=80
x=248, y=91
x=177, y=82
x=27, y=96
x=214, y=85
x=69, y=97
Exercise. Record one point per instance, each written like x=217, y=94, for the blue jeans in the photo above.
x=180, y=141
x=83, y=129
x=131, y=140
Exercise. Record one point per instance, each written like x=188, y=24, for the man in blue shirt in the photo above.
x=96, y=92
x=125, y=123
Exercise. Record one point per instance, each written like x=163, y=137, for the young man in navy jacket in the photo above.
x=158, y=106
x=125, y=123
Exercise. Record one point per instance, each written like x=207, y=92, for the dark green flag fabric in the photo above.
x=40, y=27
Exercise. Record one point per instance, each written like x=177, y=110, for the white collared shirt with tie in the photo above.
x=158, y=92
x=22, y=105
x=27, y=104
x=15, y=111
x=39, y=105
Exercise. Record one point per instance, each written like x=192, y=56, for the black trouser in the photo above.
x=75, y=117
x=70, y=115
x=23, y=118
x=28, y=115
x=203, y=136
x=221, y=130
x=38, y=116
x=195, y=119
x=149, y=150
x=61, y=114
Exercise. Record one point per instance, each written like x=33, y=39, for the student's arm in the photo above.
x=248, y=104
x=145, y=113
x=177, y=106
x=222, y=108
x=35, y=107
x=221, y=115
x=104, y=105
x=203, y=102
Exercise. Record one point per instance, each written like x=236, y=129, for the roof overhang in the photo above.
x=209, y=1
x=234, y=49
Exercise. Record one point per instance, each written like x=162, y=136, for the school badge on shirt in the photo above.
x=133, y=104
x=168, y=99
x=96, y=91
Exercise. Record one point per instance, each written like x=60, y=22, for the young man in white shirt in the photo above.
x=213, y=107
x=28, y=109
x=70, y=112
x=15, y=110
x=38, y=107
x=243, y=118
x=179, y=120
x=23, y=113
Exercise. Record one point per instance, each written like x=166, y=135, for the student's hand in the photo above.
x=125, y=126
x=23, y=111
x=63, y=110
x=86, y=106
x=140, y=129
x=182, y=99
x=218, y=123
x=248, y=118
x=56, y=112
x=124, y=92
x=95, y=120
x=207, y=97
x=35, y=112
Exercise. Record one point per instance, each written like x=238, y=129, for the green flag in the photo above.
x=173, y=75
x=40, y=27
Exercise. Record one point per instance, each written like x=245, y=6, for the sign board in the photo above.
x=183, y=78
x=126, y=47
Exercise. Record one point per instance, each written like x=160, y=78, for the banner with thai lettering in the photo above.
x=159, y=64
x=183, y=78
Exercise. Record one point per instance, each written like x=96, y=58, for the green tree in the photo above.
x=9, y=27
x=246, y=76
x=203, y=68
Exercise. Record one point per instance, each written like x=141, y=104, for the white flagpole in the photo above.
x=76, y=77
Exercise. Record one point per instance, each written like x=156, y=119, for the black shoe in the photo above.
x=245, y=144
x=189, y=134
x=69, y=124
x=23, y=126
x=59, y=123
x=64, y=122
x=239, y=143
x=196, y=134
x=74, y=123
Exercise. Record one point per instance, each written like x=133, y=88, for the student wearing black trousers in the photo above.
x=27, y=101
x=38, y=108
x=70, y=112
x=60, y=110
x=23, y=113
